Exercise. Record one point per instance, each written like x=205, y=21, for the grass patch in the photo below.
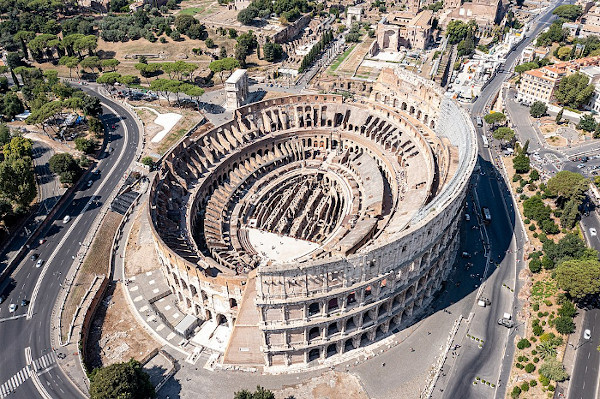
x=341, y=58
x=171, y=139
x=192, y=11
x=543, y=290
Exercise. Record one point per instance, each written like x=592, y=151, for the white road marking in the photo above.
x=76, y=221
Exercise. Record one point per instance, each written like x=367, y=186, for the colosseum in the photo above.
x=313, y=225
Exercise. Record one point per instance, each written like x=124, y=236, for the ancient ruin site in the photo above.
x=309, y=226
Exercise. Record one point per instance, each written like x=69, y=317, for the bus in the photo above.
x=479, y=121
x=487, y=216
x=484, y=139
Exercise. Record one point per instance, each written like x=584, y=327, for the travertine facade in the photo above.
x=356, y=206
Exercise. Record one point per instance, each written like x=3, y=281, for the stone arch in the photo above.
x=331, y=350
x=313, y=333
x=314, y=309
x=314, y=354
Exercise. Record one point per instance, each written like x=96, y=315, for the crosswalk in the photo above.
x=24, y=374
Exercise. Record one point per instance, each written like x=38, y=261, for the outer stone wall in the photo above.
x=330, y=302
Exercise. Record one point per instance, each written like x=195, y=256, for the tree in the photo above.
x=564, y=52
x=521, y=163
x=108, y=78
x=110, y=64
x=568, y=218
x=538, y=109
x=579, y=277
x=5, y=135
x=121, y=380
x=247, y=15
x=91, y=106
x=554, y=34
x=18, y=147
x=148, y=161
x=568, y=11
x=568, y=185
x=95, y=125
x=559, y=116
x=224, y=64
x=69, y=62
x=587, y=122
x=546, y=350
x=495, y=118
x=11, y=105
x=504, y=133
x=84, y=145
x=553, y=370
x=272, y=51
x=17, y=181
x=574, y=90
x=534, y=208
x=260, y=393
x=209, y=43
x=92, y=62
x=457, y=31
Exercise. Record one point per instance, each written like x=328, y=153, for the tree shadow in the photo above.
x=171, y=389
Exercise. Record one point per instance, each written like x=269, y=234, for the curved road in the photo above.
x=42, y=285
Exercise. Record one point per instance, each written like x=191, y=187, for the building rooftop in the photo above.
x=236, y=76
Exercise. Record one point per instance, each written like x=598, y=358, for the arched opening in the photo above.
x=194, y=291
x=313, y=309
x=364, y=340
x=313, y=354
x=348, y=345
x=350, y=324
x=333, y=304
x=367, y=318
x=368, y=291
x=332, y=329
x=221, y=319
x=313, y=333
x=351, y=298
x=379, y=332
x=232, y=303
x=331, y=350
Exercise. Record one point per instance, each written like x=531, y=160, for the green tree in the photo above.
x=559, y=116
x=5, y=135
x=521, y=163
x=553, y=370
x=84, y=145
x=247, y=15
x=579, y=277
x=272, y=51
x=121, y=380
x=567, y=309
x=17, y=181
x=574, y=90
x=260, y=393
x=95, y=125
x=11, y=105
x=534, y=208
x=568, y=11
x=538, y=109
x=568, y=218
x=504, y=133
x=69, y=62
x=108, y=78
x=457, y=31
x=92, y=62
x=209, y=43
x=148, y=161
x=587, y=123
x=564, y=53
x=495, y=118
x=568, y=185
x=18, y=147
x=224, y=64
x=110, y=64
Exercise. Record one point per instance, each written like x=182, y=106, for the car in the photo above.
x=593, y=232
x=89, y=183
x=467, y=217
x=587, y=334
x=505, y=322
x=33, y=256
x=42, y=240
x=465, y=255
x=12, y=307
x=39, y=263
x=66, y=219
x=24, y=302
x=580, y=166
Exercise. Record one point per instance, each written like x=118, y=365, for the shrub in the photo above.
x=548, y=302
x=519, y=366
x=564, y=325
x=529, y=367
x=524, y=343
x=532, y=227
x=536, y=359
x=516, y=178
x=532, y=383
x=544, y=380
x=535, y=235
x=551, y=388
x=526, y=221
x=533, y=352
x=519, y=190
x=525, y=386
x=516, y=391
x=553, y=370
x=538, y=330
x=536, y=307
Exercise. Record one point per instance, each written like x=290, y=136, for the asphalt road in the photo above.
x=492, y=361
x=42, y=285
x=584, y=379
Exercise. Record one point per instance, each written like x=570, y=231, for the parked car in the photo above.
x=593, y=232
x=12, y=307
x=587, y=334
x=505, y=322
x=66, y=219
x=24, y=302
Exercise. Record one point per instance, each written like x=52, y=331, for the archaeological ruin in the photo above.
x=314, y=225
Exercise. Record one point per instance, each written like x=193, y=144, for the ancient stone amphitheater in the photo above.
x=313, y=225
